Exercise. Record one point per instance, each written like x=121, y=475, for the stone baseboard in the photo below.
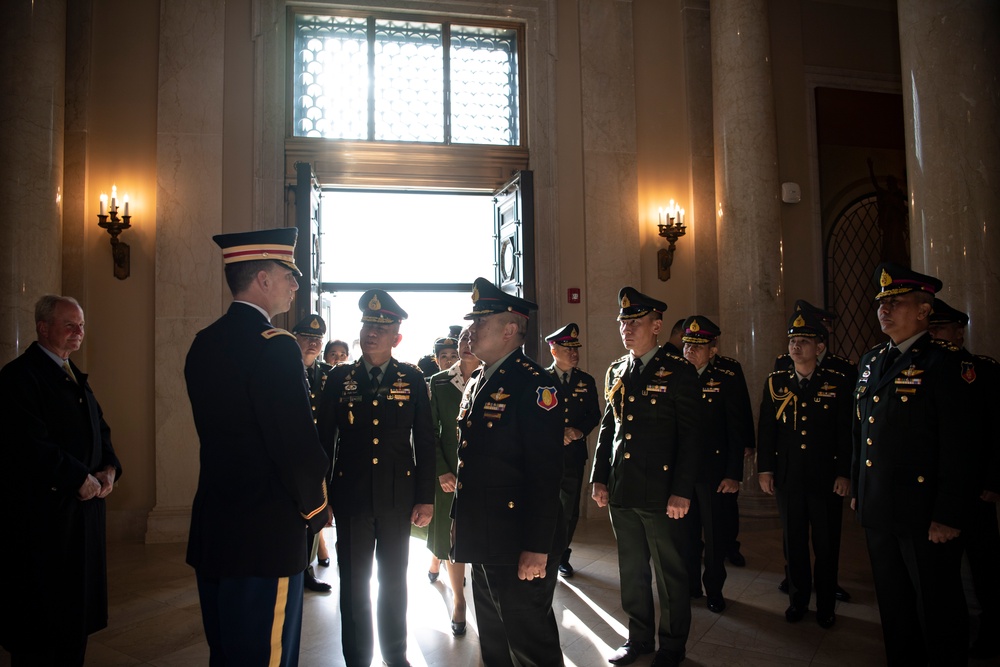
x=166, y=525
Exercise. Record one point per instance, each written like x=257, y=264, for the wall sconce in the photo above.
x=108, y=219
x=671, y=226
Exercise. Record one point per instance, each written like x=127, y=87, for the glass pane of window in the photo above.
x=484, y=94
x=406, y=237
x=409, y=82
x=331, y=77
x=430, y=315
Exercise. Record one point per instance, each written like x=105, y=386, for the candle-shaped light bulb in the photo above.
x=680, y=217
x=125, y=199
x=661, y=215
x=104, y=204
x=114, y=198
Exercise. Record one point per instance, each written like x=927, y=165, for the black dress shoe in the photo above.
x=665, y=658
x=842, y=595
x=794, y=614
x=826, y=620
x=696, y=594
x=736, y=558
x=783, y=586
x=316, y=585
x=458, y=628
x=716, y=604
x=565, y=569
x=323, y=562
x=629, y=652
x=432, y=576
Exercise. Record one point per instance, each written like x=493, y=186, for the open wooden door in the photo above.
x=514, y=252
x=307, y=195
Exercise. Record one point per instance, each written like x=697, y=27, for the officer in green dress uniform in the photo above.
x=725, y=433
x=804, y=456
x=913, y=479
x=645, y=468
x=508, y=521
x=581, y=414
x=309, y=333
x=375, y=420
x=982, y=538
x=261, y=483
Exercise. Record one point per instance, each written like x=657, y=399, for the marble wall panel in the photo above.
x=607, y=75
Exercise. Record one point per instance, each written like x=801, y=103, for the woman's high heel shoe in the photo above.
x=432, y=576
x=323, y=562
x=458, y=628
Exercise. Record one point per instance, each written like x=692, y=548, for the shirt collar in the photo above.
x=254, y=305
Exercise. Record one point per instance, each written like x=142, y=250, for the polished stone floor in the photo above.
x=155, y=618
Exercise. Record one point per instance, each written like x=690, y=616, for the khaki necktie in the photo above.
x=69, y=371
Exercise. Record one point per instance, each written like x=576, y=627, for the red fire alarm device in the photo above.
x=573, y=295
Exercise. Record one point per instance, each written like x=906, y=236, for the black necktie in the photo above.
x=636, y=370
x=890, y=358
x=375, y=372
x=803, y=384
x=565, y=379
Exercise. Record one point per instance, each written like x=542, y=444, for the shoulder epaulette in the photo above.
x=989, y=360
x=410, y=366
x=833, y=371
x=671, y=355
x=619, y=359
x=271, y=333
x=783, y=371
x=833, y=355
x=945, y=344
x=725, y=371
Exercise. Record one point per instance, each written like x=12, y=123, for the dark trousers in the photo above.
x=251, y=621
x=730, y=522
x=918, y=585
x=707, y=517
x=358, y=539
x=569, y=496
x=982, y=546
x=58, y=652
x=517, y=627
x=646, y=536
x=816, y=514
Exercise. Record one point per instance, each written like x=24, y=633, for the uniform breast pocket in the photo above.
x=504, y=508
x=400, y=413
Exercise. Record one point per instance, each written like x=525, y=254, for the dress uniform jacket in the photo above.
x=727, y=425
x=315, y=380
x=56, y=436
x=830, y=360
x=804, y=436
x=510, y=464
x=445, y=400
x=648, y=447
x=914, y=439
x=262, y=466
x=381, y=443
x=580, y=410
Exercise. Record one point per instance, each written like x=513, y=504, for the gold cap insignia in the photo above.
x=694, y=326
x=314, y=324
x=886, y=279
x=799, y=322
x=374, y=304
x=574, y=333
x=625, y=302
x=475, y=294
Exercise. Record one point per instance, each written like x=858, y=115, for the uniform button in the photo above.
x=652, y=401
x=666, y=467
x=468, y=422
x=375, y=422
x=628, y=455
x=804, y=418
x=566, y=421
x=489, y=424
x=875, y=398
x=375, y=402
x=868, y=463
x=458, y=486
x=628, y=436
x=803, y=404
x=631, y=399
x=709, y=400
x=510, y=504
x=904, y=399
x=351, y=404
x=407, y=473
x=629, y=418
x=869, y=441
x=461, y=464
x=375, y=461
x=465, y=444
x=339, y=474
x=920, y=478
x=803, y=432
x=826, y=406
x=802, y=446
x=374, y=441
x=716, y=451
x=871, y=420
x=400, y=404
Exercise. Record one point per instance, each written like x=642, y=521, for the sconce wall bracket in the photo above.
x=120, y=251
x=665, y=256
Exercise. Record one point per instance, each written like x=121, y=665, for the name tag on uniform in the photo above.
x=399, y=397
x=827, y=394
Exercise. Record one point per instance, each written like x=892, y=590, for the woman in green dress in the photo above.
x=446, y=389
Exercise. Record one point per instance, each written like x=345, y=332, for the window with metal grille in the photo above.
x=375, y=78
x=853, y=250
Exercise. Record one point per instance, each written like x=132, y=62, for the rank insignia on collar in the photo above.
x=499, y=395
x=911, y=371
x=662, y=372
x=547, y=398
x=968, y=372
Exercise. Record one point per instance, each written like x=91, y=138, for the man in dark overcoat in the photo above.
x=261, y=486
x=581, y=414
x=507, y=516
x=53, y=572
x=804, y=456
x=725, y=433
x=645, y=466
x=913, y=478
x=375, y=422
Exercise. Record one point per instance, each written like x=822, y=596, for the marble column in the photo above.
x=748, y=215
x=33, y=50
x=950, y=64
